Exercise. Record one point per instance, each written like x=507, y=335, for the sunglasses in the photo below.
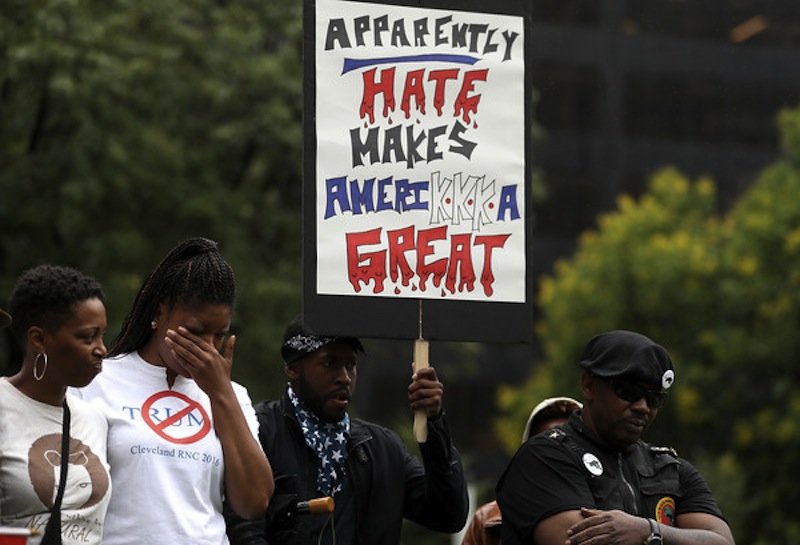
x=631, y=392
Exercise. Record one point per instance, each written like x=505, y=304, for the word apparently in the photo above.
x=379, y=31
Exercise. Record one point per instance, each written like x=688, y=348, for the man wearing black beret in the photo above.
x=594, y=480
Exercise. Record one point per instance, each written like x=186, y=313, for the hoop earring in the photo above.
x=36, y=375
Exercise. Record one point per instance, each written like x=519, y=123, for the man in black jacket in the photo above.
x=316, y=449
x=594, y=480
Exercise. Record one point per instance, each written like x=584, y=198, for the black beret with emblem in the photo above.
x=628, y=354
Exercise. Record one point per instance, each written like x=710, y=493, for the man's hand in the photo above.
x=608, y=527
x=425, y=392
x=619, y=528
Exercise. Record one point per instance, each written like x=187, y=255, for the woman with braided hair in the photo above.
x=182, y=435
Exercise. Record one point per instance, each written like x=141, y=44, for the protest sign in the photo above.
x=416, y=169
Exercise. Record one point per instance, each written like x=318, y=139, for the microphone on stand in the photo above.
x=324, y=504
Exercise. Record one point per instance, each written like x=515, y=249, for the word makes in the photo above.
x=366, y=263
x=369, y=31
x=407, y=144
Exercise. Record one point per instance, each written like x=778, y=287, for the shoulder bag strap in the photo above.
x=52, y=532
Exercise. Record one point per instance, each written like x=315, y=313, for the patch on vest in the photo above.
x=664, y=450
x=592, y=464
x=665, y=511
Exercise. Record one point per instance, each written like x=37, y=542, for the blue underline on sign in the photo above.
x=355, y=64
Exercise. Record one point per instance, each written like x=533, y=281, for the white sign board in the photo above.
x=420, y=162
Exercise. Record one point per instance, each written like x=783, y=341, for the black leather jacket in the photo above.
x=388, y=483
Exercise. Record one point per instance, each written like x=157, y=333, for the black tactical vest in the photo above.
x=642, y=481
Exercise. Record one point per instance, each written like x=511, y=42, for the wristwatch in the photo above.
x=655, y=534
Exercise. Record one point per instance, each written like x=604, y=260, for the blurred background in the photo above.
x=666, y=200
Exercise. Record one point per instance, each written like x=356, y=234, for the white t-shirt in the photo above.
x=30, y=466
x=166, y=459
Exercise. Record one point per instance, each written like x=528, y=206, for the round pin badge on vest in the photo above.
x=593, y=464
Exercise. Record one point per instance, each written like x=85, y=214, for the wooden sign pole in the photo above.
x=421, y=360
x=420, y=417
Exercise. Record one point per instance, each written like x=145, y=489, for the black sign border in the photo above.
x=398, y=318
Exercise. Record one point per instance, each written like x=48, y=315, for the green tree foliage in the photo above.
x=128, y=126
x=722, y=293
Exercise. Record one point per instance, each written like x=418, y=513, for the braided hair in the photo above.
x=192, y=273
x=46, y=296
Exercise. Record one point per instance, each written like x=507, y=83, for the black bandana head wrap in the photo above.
x=299, y=341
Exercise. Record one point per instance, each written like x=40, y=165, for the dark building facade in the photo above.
x=627, y=86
